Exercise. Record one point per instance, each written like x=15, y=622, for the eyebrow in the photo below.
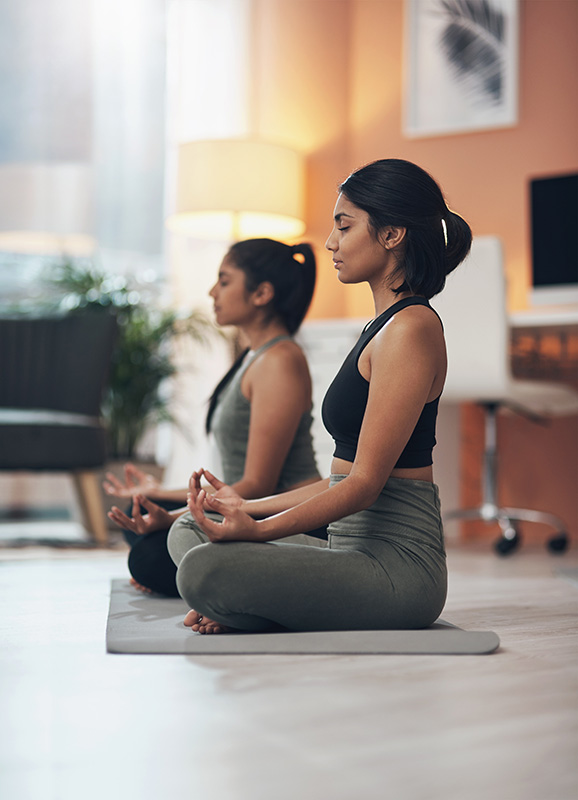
x=337, y=217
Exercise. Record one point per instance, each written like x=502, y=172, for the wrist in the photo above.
x=154, y=491
x=267, y=529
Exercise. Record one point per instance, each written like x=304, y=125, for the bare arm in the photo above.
x=274, y=504
x=278, y=387
x=406, y=359
x=259, y=508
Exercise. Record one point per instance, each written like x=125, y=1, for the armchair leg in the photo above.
x=88, y=491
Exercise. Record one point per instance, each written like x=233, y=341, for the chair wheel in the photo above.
x=558, y=543
x=506, y=545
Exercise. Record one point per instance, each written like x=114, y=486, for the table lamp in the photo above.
x=232, y=189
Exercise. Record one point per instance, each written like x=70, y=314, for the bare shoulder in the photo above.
x=414, y=323
x=284, y=356
x=282, y=368
x=412, y=336
x=280, y=372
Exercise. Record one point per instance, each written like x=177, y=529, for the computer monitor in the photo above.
x=554, y=224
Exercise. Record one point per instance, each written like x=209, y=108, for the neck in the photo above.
x=256, y=336
x=384, y=298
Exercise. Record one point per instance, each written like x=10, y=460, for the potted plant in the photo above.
x=143, y=358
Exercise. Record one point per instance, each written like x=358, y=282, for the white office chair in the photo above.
x=473, y=309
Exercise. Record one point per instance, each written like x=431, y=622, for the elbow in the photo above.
x=366, y=491
x=371, y=496
x=254, y=489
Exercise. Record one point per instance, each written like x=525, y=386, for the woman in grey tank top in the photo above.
x=260, y=412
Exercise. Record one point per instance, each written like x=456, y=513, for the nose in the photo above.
x=331, y=243
x=213, y=292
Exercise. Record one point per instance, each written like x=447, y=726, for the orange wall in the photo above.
x=485, y=177
x=485, y=174
x=301, y=72
x=328, y=78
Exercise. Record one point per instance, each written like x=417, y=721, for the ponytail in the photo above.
x=293, y=307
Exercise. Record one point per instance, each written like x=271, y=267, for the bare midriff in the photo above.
x=339, y=466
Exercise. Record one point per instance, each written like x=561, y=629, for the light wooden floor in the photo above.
x=78, y=723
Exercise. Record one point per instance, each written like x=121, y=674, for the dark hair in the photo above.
x=291, y=270
x=293, y=279
x=396, y=192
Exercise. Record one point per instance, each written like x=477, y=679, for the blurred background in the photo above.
x=119, y=127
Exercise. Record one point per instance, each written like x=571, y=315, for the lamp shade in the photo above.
x=232, y=189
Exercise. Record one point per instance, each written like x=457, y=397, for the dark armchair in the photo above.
x=53, y=372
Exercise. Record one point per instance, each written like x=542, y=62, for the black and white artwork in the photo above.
x=461, y=65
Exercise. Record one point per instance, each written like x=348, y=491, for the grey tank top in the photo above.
x=230, y=427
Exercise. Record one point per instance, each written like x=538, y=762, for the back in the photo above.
x=230, y=427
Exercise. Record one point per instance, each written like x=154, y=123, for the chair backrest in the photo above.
x=473, y=309
x=53, y=372
x=58, y=363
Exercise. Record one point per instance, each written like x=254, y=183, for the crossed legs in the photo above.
x=185, y=540
x=356, y=583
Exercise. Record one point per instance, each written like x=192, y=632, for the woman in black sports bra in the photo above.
x=385, y=565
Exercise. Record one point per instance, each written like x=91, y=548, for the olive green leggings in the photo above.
x=383, y=567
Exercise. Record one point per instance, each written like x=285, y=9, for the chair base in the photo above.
x=507, y=519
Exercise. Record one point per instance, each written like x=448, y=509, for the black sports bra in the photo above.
x=346, y=400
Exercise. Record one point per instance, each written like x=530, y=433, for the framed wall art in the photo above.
x=461, y=66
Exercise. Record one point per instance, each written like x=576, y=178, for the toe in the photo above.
x=192, y=618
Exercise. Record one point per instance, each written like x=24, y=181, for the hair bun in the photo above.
x=458, y=239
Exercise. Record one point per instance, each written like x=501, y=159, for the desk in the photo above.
x=544, y=343
x=550, y=317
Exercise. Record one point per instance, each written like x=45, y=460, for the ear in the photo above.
x=392, y=236
x=263, y=294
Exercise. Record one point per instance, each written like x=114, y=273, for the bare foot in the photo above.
x=201, y=624
x=140, y=587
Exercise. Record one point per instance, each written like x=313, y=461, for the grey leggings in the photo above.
x=383, y=568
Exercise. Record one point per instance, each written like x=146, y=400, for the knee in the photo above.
x=200, y=573
x=182, y=536
x=150, y=565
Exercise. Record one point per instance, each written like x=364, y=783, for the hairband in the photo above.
x=297, y=255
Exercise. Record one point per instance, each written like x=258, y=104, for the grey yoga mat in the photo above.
x=140, y=623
